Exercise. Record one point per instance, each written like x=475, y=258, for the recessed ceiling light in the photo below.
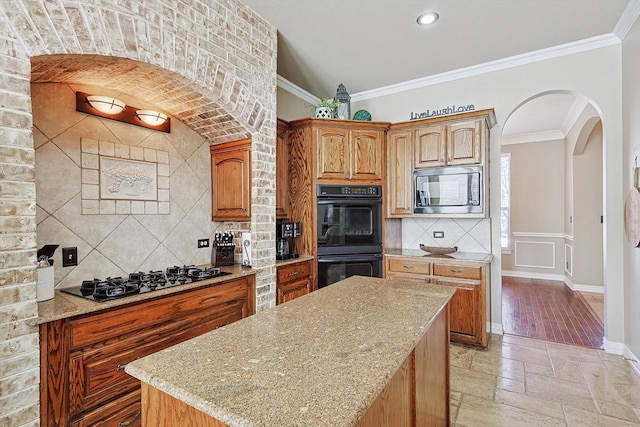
x=427, y=18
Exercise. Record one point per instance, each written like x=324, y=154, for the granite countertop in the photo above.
x=456, y=256
x=319, y=360
x=64, y=305
x=280, y=263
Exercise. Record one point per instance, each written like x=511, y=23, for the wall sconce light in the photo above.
x=105, y=104
x=114, y=109
x=150, y=117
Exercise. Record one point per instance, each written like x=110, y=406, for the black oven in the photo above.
x=333, y=268
x=349, y=229
x=349, y=219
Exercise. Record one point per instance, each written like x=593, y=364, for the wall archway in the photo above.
x=212, y=66
x=582, y=117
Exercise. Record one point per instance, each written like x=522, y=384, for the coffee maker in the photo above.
x=285, y=233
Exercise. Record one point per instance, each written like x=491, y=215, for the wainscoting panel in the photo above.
x=535, y=254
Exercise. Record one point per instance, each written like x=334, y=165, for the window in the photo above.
x=505, y=200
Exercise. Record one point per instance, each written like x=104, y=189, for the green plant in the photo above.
x=327, y=102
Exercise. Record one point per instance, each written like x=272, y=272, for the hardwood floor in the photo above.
x=548, y=310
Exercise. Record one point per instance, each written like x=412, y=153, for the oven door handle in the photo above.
x=343, y=258
x=364, y=202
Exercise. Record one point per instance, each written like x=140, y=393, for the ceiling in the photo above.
x=373, y=44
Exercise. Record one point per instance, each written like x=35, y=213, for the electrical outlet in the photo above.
x=69, y=257
x=438, y=234
x=203, y=243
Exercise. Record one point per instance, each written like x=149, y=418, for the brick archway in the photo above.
x=211, y=65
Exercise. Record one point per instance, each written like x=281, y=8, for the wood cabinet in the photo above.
x=82, y=358
x=461, y=139
x=293, y=280
x=231, y=181
x=349, y=154
x=282, y=171
x=399, y=174
x=468, y=307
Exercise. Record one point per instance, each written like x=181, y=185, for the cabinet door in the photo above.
x=464, y=307
x=366, y=155
x=430, y=146
x=399, y=192
x=293, y=281
x=293, y=290
x=282, y=174
x=231, y=181
x=464, y=143
x=333, y=153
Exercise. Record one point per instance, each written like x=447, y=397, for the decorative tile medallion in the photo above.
x=123, y=179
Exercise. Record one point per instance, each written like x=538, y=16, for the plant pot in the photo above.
x=324, y=113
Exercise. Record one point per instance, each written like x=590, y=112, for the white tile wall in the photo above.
x=470, y=235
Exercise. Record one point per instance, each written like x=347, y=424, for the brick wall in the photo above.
x=210, y=64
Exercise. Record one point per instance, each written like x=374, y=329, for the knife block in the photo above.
x=222, y=255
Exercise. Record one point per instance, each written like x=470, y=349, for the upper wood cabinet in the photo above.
x=462, y=139
x=231, y=181
x=345, y=153
x=282, y=171
x=399, y=194
x=451, y=143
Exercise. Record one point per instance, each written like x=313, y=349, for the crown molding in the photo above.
x=492, y=66
x=296, y=90
x=627, y=19
x=525, y=138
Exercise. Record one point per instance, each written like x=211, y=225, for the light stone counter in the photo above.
x=456, y=256
x=319, y=360
x=63, y=305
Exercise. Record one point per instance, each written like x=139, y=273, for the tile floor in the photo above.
x=527, y=382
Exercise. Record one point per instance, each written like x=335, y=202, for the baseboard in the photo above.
x=495, y=328
x=613, y=347
x=595, y=289
x=533, y=275
x=632, y=359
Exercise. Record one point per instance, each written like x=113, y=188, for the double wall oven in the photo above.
x=349, y=229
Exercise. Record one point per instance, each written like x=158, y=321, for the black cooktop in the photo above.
x=137, y=283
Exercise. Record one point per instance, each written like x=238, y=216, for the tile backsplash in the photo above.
x=470, y=235
x=117, y=237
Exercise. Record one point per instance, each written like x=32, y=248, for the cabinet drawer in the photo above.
x=294, y=272
x=145, y=316
x=97, y=373
x=124, y=411
x=460, y=271
x=414, y=266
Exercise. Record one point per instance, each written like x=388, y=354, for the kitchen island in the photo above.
x=363, y=351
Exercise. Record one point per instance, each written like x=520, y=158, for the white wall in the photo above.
x=596, y=74
x=587, y=185
x=537, y=209
x=631, y=142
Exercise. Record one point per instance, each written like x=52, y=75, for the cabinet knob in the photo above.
x=408, y=267
x=456, y=271
x=295, y=272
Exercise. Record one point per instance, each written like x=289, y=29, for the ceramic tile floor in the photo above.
x=526, y=382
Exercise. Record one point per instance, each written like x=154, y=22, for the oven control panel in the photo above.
x=349, y=190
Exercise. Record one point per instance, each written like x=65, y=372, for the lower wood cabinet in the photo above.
x=468, y=321
x=83, y=382
x=294, y=280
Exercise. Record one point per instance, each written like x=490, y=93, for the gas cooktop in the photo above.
x=137, y=283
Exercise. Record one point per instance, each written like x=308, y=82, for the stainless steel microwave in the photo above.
x=449, y=190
